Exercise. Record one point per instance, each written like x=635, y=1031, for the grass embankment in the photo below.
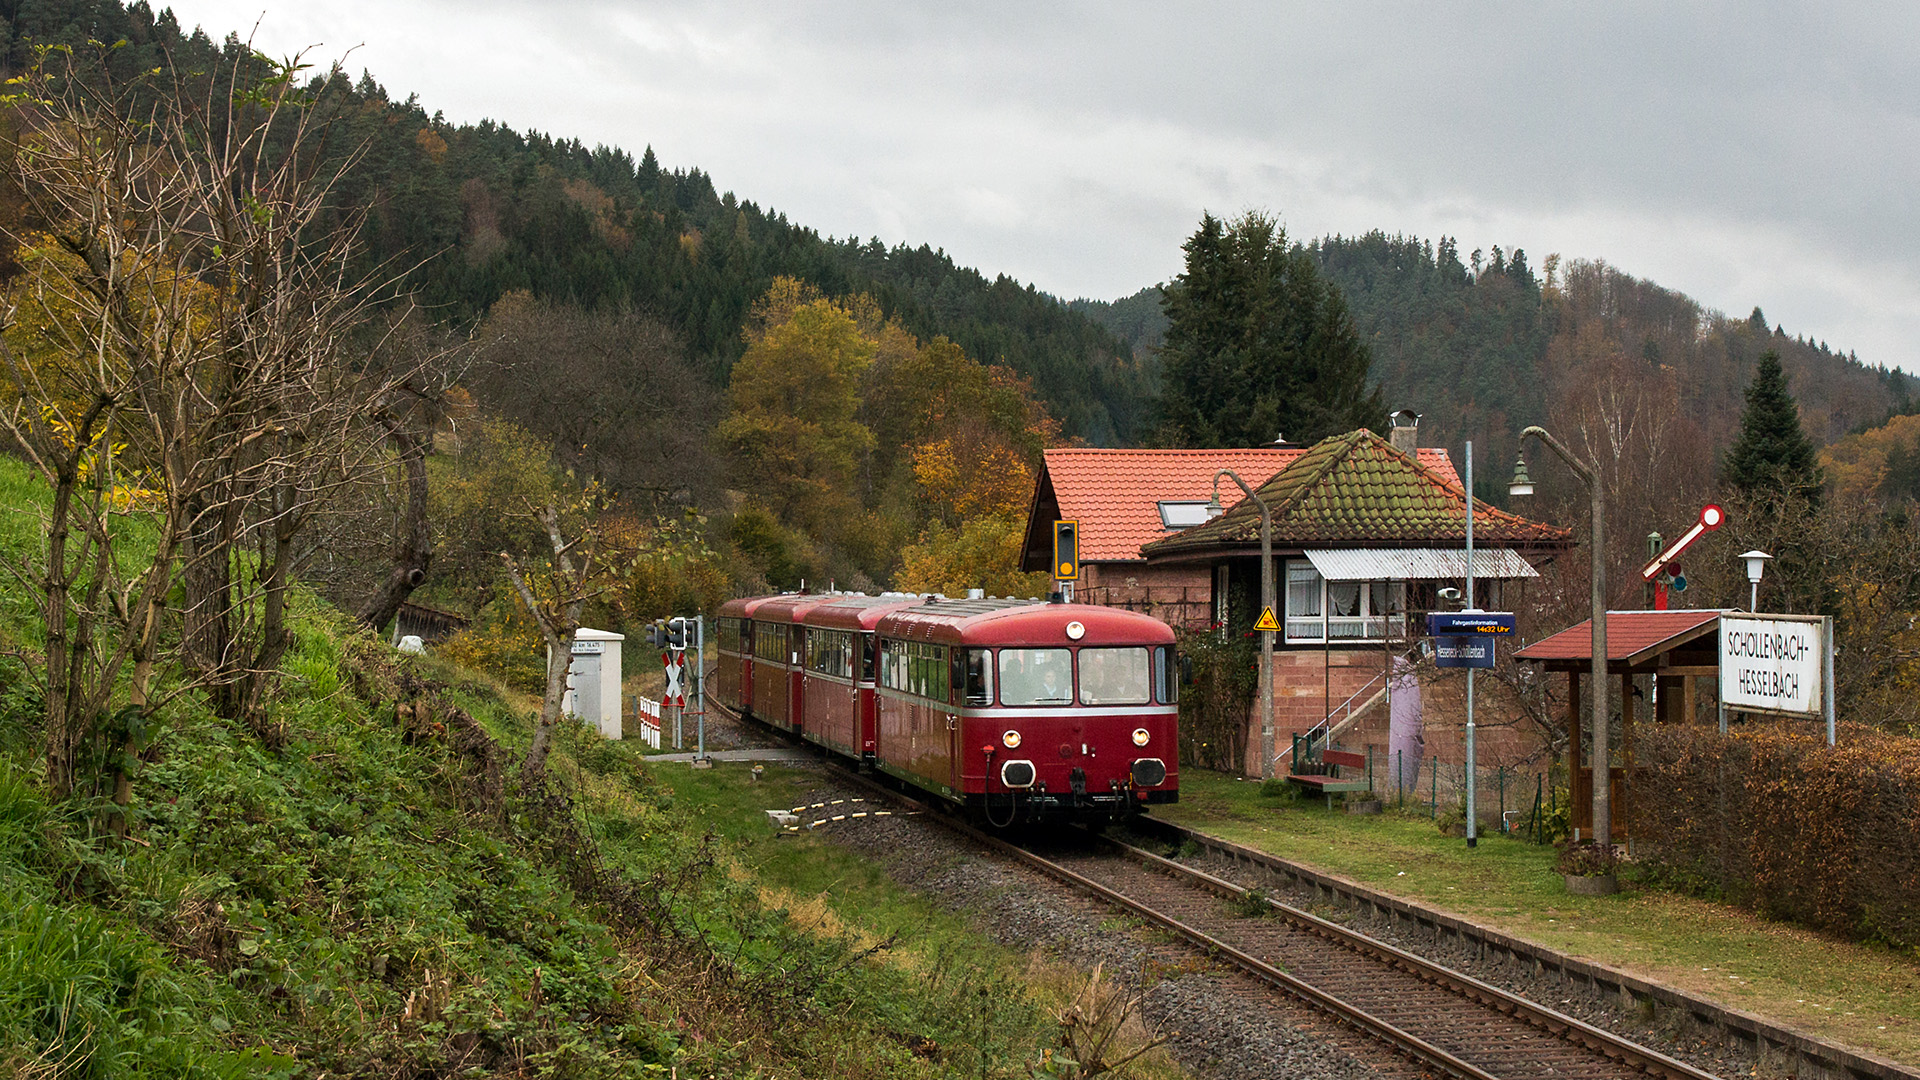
x=376, y=898
x=1858, y=995
x=993, y=994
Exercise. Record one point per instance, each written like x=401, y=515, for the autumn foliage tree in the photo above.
x=792, y=429
x=898, y=458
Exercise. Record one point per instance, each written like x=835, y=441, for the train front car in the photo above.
x=1025, y=712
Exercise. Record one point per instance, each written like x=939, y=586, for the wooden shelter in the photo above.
x=1673, y=650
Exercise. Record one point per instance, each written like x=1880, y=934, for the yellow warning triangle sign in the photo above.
x=1266, y=620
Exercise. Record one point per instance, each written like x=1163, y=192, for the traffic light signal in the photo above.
x=676, y=631
x=1066, y=551
x=656, y=633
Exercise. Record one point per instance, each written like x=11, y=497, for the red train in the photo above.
x=1014, y=710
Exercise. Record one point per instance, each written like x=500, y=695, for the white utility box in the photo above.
x=593, y=680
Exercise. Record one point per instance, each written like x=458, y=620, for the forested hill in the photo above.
x=480, y=210
x=1485, y=345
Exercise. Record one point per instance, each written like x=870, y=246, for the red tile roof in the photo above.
x=1116, y=494
x=1628, y=633
x=1356, y=488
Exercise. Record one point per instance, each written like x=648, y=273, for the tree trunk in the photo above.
x=414, y=553
x=559, y=662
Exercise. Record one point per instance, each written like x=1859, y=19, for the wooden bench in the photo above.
x=1330, y=781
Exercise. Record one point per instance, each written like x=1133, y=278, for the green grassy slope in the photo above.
x=377, y=899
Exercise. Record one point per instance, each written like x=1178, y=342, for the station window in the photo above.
x=1036, y=677
x=1322, y=610
x=1114, y=677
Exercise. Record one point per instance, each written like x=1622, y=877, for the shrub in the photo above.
x=1824, y=836
x=1587, y=858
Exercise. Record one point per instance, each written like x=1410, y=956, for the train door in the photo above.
x=956, y=751
x=866, y=719
x=797, y=674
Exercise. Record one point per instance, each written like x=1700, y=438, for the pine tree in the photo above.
x=1259, y=344
x=1772, y=458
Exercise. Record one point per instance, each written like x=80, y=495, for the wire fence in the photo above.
x=1523, y=801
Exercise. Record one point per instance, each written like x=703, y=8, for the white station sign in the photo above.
x=1774, y=663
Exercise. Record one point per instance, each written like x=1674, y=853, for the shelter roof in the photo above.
x=1115, y=495
x=1357, y=489
x=1632, y=636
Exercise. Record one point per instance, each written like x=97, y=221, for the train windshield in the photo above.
x=1036, y=677
x=1114, y=677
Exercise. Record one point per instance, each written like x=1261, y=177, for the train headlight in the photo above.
x=1076, y=630
x=1149, y=772
x=1017, y=774
x=1010, y=740
x=1140, y=736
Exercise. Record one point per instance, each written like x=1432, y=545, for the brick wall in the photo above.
x=1307, y=685
x=1176, y=595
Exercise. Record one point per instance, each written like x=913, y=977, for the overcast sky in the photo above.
x=1743, y=154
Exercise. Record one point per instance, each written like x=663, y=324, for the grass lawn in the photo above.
x=1868, y=998
x=833, y=890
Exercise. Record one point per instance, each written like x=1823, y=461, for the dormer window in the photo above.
x=1184, y=515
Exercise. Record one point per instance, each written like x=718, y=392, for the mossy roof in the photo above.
x=1357, y=489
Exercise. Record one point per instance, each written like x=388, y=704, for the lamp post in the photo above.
x=1756, y=565
x=1597, y=693
x=1266, y=599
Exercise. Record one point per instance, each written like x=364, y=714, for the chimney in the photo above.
x=1403, y=430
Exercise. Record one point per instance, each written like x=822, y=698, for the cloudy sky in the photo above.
x=1744, y=154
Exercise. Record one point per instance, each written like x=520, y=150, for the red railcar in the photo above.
x=840, y=667
x=1030, y=711
x=1014, y=710
x=733, y=671
x=779, y=654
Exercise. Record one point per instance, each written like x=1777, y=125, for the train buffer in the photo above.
x=1327, y=771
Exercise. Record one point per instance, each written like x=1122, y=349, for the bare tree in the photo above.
x=194, y=310
x=582, y=569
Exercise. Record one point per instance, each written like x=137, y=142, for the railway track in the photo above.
x=1423, y=1015
x=1447, y=1021
x=1421, y=1018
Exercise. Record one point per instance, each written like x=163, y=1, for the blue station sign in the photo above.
x=1475, y=623
x=1461, y=652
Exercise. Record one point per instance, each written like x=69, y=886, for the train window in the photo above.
x=1114, y=677
x=1166, y=682
x=1036, y=677
x=941, y=688
x=866, y=657
x=979, y=676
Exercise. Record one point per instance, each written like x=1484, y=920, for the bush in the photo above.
x=1587, y=858
x=1220, y=680
x=1825, y=836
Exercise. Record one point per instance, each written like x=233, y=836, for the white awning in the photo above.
x=1417, y=564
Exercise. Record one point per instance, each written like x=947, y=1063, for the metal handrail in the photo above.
x=1326, y=725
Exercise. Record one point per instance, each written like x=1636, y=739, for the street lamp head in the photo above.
x=1756, y=564
x=1522, y=483
x=1214, y=509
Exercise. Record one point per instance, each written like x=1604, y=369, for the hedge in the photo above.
x=1828, y=837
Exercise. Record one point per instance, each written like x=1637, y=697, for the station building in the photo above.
x=1365, y=533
